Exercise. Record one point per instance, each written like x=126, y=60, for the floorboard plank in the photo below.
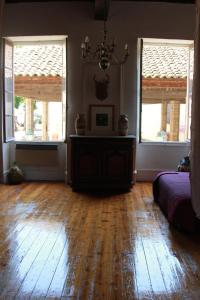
x=58, y=244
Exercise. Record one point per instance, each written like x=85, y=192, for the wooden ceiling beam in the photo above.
x=101, y=9
x=29, y=1
x=169, y=1
x=102, y=1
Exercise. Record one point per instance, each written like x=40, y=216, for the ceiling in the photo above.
x=101, y=7
x=172, y=1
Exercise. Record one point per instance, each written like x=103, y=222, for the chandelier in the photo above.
x=104, y=54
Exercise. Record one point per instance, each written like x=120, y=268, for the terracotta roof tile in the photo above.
x=37, y=60
x=165, y=61
x=46, y=60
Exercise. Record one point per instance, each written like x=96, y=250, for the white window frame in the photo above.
x=161, y=42
x=33, y=40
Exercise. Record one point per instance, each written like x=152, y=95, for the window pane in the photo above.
x=55, y=121
x=8, y=91
x=8, y=103
x=164, y=114
x=150, y=125
x=8, y=80
x=8, y=55
x=39, y=121
x=39, y=113
x=9, y=127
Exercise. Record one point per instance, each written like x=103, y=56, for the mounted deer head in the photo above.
x=101, y=87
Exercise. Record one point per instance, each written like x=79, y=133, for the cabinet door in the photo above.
x=86, y=164
x=117, y=165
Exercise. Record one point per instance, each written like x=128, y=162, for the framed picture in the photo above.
x=101, y=118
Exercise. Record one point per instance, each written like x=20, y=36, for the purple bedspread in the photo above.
x=172, y=192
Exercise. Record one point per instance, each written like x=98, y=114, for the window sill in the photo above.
x=37, y=145
x=38, y=142
x=167, y=144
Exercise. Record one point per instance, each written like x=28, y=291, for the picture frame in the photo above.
x=101, y=118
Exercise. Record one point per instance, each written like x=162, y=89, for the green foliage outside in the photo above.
x=34, y=105
x=19, y=100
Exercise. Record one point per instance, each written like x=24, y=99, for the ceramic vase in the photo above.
x=15, y=175
x=80, y=124
x=123, y=125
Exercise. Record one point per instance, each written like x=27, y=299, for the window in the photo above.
x=166, y=85
x=35, y=98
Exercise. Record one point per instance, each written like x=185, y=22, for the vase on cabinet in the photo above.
x=80, y=124
x=123, y=125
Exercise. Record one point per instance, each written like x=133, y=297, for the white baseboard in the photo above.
x=5, y=178
x=148, y=174
x=43, y=173
x=66, y=177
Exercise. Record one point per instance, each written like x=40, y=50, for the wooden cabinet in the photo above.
x=102, y=162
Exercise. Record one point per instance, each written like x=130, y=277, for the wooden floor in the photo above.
x=58, y=244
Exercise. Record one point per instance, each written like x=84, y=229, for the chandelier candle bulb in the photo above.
x=104, y=54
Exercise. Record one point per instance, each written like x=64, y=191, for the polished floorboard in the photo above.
x=58, y=244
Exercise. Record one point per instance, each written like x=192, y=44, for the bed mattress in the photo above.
x=172, y=192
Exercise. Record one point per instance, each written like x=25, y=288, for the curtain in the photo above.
x=195, y=124
x=1, y=90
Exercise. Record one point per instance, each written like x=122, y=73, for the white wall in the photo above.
x=128, y=21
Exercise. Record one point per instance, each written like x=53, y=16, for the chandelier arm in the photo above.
x=104, y=53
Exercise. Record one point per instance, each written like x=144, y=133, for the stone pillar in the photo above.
x=163, y=116
x=44, y=120
x=29, y=127
x=174, y=120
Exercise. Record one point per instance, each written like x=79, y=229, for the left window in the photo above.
x=8, y=92
x=35, y=90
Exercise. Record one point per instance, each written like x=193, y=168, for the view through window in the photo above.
x=167, y=70
x=39, y=91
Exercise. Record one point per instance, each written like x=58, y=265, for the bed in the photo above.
x=172, y=193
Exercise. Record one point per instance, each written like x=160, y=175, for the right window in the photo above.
x=166, y=90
